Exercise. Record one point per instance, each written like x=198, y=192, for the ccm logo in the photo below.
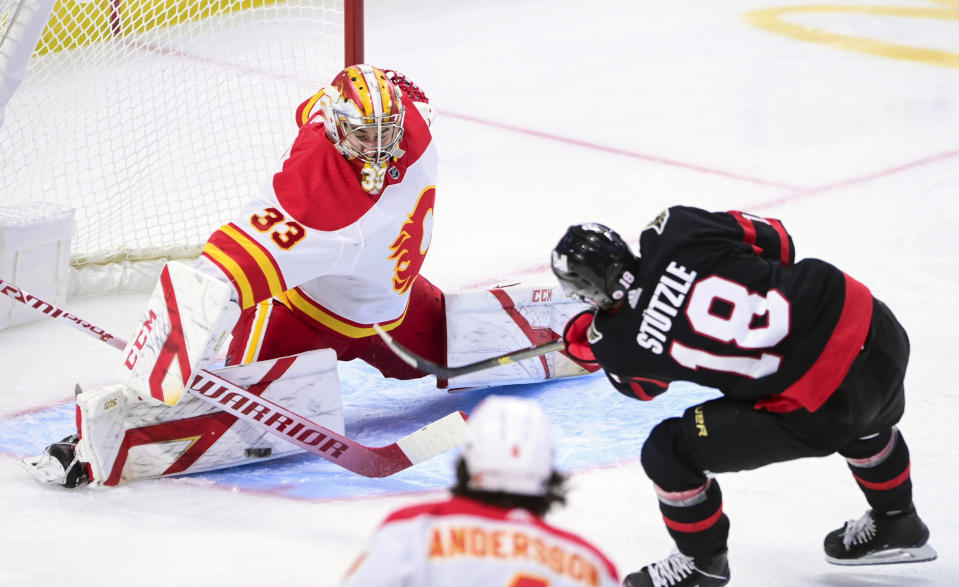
x=542, y=295
x=139, y=340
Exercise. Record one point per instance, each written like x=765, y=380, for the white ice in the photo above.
x=556, y=112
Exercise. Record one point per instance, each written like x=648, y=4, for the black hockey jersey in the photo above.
x=720, y=301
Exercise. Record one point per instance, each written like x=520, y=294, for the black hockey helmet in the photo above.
x=594, y=264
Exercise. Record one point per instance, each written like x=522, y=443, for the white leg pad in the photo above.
x=101, y=427
x=193, y=436
x=485, y=324
x=187, y=323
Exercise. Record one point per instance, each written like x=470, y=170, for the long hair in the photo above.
x=538, y=505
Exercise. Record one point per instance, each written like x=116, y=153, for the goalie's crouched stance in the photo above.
x=149, y=425
x=157, y=421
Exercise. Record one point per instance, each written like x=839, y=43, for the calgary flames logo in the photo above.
x=409, y=248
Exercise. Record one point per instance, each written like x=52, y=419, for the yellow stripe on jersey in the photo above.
x=236, y=273
x=264, y=262
x=253, y=341
x=296, y=300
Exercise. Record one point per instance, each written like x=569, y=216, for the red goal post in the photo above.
x=156, y=120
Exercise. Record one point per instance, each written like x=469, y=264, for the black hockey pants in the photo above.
x=725, y=435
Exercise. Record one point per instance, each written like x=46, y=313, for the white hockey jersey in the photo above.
x=466, y=543
x=339, y=257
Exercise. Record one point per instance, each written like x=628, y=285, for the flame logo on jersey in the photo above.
x=410, y=247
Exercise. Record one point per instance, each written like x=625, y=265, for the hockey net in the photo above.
x=154, y=119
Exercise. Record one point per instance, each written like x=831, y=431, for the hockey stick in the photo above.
x=427, y=442
x=54, y=312
x=443, y=372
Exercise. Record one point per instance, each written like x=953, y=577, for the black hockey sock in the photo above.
x=695, y=519
x=880, y=465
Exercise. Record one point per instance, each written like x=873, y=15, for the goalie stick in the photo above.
x=54, y=312
x=427, y=442
x=443, y=372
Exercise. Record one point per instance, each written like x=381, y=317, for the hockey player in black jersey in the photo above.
x=808, y=361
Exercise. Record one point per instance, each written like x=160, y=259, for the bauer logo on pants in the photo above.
x=700, y=421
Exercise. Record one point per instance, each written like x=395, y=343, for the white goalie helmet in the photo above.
x=362, y=111
x=509, y=446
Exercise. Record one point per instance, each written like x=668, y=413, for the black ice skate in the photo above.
x=58, y=465
x=880, y=539
x=679, y=570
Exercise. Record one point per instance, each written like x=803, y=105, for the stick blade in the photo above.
x=435, y=438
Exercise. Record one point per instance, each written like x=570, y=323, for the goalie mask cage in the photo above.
x=156, y=120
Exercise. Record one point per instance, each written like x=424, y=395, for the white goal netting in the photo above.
x=155, y=119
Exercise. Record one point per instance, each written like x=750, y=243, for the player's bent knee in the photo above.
x=666, y=460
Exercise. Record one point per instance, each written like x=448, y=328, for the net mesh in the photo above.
x=157, y=119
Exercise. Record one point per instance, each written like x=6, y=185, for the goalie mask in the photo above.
x=594, y=264
x=362, y=112
x=509, y=447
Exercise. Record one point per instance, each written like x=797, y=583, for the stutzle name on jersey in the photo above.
x=667, y=298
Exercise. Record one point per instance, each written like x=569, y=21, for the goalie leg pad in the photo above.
x=195, y=436
x=485, y=324
x=186, y=325
x=101, y=412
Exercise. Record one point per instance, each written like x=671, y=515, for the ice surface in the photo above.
x=550, y=113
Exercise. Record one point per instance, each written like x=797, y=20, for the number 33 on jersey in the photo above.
x=334, y=253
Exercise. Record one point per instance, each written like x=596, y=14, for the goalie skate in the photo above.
x=58, y=465
x=875, y=540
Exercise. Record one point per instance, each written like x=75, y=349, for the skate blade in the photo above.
x=891, y=556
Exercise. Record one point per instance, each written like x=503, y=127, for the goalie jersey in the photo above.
x=719, y=300
x=339, y=257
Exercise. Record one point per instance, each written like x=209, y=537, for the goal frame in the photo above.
x=20, y=39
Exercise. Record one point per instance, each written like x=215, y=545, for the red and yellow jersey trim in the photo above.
x=250, y=267
x=261, y=318
x=305, y=306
